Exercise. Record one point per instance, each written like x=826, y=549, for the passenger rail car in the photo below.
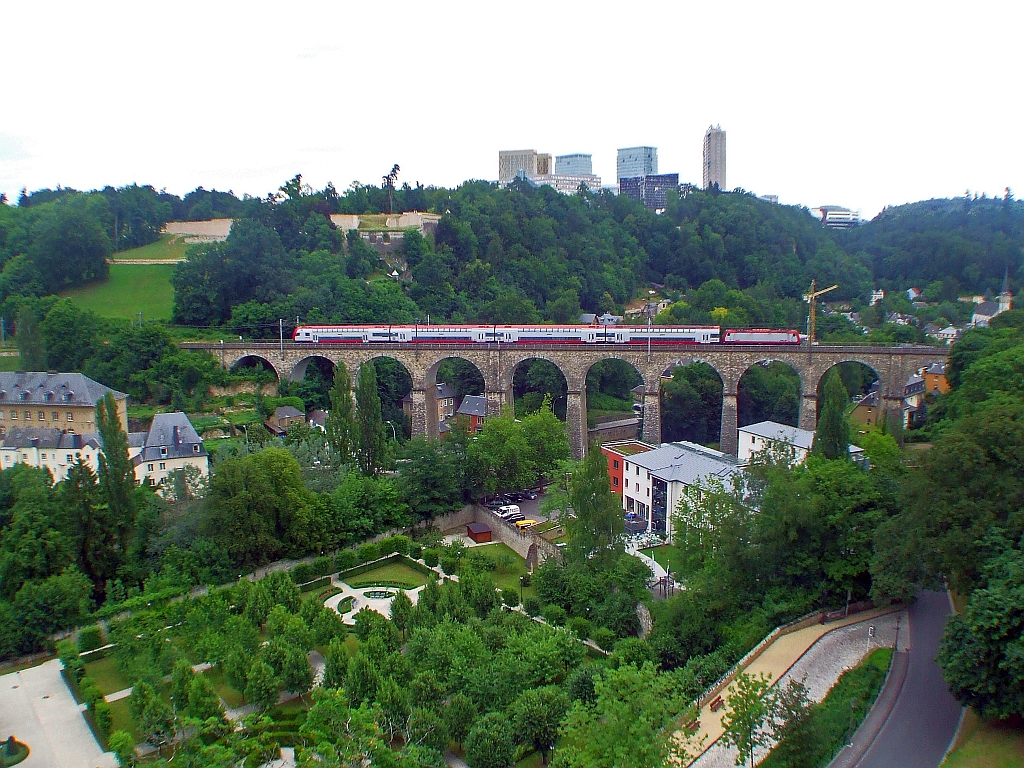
x=539, y=334
x=504, y=334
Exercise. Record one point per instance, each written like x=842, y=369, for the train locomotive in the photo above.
x=539, y=334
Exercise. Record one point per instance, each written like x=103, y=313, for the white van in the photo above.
x=508, y=509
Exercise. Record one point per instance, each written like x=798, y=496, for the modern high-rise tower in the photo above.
x=714, y=157
x=636, y=161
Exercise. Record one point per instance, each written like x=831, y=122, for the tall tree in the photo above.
x=340, y=423
x=500, y=457
x=981, y=652
x=31, y=348
x=536, y=714
x=373, y=448
x=117, y=476
x=631, y=724
x=597, y=522
x=547, y=438
x=489, y=743
x=87, y=522
x=832, y=436
x=152, y=716
x=747, y=723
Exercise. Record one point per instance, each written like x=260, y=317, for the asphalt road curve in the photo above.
x=925, y=715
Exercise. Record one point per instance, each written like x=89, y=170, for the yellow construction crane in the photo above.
x=811, y=297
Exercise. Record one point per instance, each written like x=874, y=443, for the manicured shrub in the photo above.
x=323, y=566
x=90, y=638
x=450, y=565
x=430, y=557
x=368, y=552
x=510, y=597
x=302, y=573
x=532, y=605
x=400, y=544
x=67, y=652
x=89, y=691
x=415, y=551
x=554, y=615
x=386, y=546
x=345, y=559
x=604, y=638
x=581, y=626
x=101, y=711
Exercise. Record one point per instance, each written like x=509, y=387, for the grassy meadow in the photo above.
x=130, y=289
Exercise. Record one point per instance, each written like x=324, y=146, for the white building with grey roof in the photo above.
x=653, y=482
x=171, y=444
x=778, y=439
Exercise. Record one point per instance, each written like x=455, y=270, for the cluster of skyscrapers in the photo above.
x=569, y=172
x=636, y=169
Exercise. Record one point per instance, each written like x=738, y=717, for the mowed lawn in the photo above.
x=666, y=555
x=167, y=247
x=988, y=745
x=107, y=675
x=396, y=573
x=130, y=289
x=506, y=578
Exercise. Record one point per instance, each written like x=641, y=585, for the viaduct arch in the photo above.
x=497, y=363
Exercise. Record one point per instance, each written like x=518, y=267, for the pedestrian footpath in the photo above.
x=816, y=655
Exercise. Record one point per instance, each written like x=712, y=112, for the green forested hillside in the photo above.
x=960, y=245
x=507, y=255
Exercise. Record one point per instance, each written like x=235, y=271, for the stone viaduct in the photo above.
x=497, y=363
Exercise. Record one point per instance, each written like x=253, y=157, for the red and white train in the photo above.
x=539, y=334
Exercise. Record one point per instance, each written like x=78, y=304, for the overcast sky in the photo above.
x=862, y=104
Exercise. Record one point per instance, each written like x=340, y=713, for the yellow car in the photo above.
x=522, y=525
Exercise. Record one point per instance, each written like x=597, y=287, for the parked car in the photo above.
x=509, y=509
x=522, y=525
x=529, y=495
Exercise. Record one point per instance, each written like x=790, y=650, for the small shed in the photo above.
x=479, y=532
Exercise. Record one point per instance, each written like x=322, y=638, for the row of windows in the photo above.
x=40, y=415
x=68, y=458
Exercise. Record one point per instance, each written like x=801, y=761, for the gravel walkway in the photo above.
x=819, y=668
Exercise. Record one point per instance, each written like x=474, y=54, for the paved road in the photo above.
x=925, y=716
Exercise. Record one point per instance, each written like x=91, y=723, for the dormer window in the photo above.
x=163, y=450
x=195, y=448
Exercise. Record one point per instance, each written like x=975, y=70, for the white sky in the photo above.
x=861, y=104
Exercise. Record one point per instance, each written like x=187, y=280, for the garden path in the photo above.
x=817, y=655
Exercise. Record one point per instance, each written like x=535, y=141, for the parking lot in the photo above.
x=531, y=508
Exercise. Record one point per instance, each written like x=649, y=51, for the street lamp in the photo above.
x=393, y=437
x=522, y=581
